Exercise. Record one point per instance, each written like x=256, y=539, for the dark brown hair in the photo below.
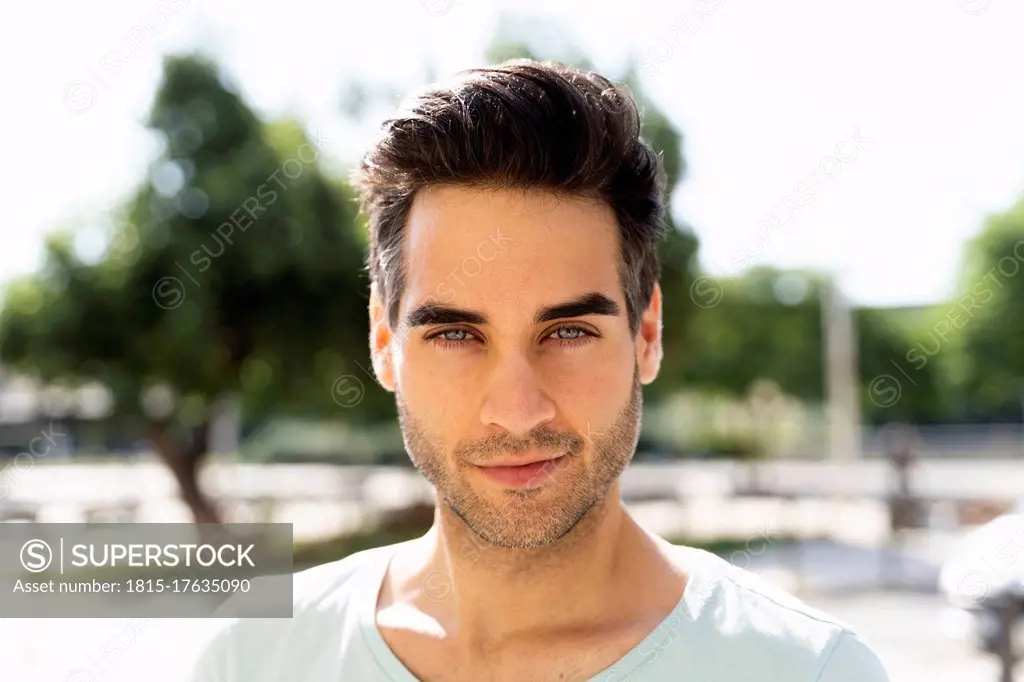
x=520, y=125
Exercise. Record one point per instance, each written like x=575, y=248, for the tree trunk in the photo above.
x=184, y=461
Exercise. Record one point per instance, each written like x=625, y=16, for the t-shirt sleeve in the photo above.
x=851, y=660
x=246, y=648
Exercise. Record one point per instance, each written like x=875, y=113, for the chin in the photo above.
x=529, y=519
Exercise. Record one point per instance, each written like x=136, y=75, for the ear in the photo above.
x=381, y=338
x=648, y=339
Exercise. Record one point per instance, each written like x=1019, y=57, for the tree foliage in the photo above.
x=237, y=269
x=987, y=318
x=746, y=329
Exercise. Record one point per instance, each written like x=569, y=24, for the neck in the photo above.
x=485, y=595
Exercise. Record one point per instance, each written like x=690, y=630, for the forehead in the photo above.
x=508, y=251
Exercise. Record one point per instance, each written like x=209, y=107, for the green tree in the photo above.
x=767, y=324
x=899, y=382
x=763, y=324
x=237, y=270
x=987, y=319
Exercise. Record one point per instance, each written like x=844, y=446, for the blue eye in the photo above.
x=451, y=338
x=454, y=335
x=572, y=336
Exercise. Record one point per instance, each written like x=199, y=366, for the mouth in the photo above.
x=527, y=473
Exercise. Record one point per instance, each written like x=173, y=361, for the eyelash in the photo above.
x=587, y=336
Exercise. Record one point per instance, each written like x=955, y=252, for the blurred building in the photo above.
x=67, y=420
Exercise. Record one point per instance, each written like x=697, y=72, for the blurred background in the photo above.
x=183, y=332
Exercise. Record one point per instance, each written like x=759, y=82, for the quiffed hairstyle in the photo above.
x=520, y=125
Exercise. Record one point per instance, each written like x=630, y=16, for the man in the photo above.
x=515, y=311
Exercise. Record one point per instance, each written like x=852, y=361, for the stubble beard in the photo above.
x=535, y=517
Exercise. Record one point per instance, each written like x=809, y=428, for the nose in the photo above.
x=516, y=400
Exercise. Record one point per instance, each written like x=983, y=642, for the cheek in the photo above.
x=590, y=387
x=436, y=386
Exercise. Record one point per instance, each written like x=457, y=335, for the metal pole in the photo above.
x=841, y=375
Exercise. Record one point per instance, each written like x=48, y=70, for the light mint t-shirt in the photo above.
x=729, y=626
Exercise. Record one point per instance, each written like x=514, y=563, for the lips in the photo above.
x=530, y=474
x=520, y=462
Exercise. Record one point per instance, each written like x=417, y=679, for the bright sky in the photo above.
x=764, y=93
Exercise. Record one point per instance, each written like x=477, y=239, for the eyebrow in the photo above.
x=592, y=303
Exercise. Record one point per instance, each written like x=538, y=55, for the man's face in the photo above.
x=513, y=346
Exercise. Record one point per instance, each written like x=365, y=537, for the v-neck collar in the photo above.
x=699, y=586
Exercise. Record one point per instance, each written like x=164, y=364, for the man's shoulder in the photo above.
x=322, y=609
x=332, y=584
x=739, y=590
x=736, y=609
